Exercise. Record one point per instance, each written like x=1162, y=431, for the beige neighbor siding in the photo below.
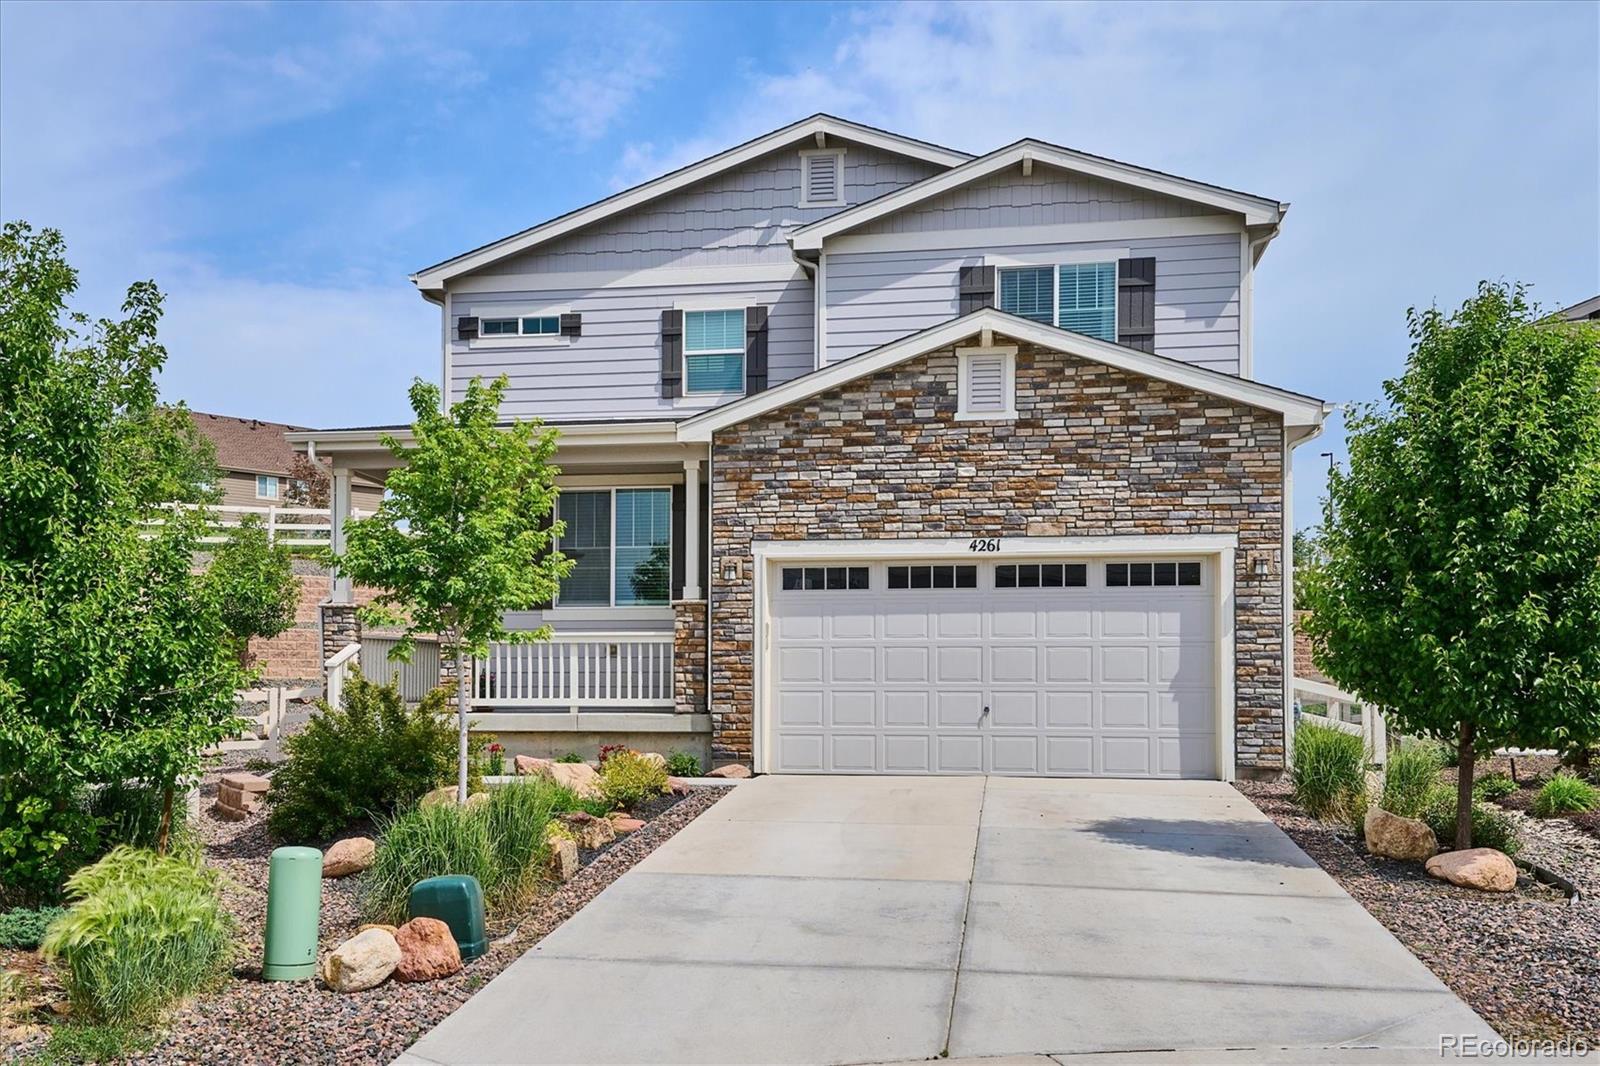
x=1094, y=452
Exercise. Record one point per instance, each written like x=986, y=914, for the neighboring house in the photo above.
x=880, y=457
x=257, y=463
x=1587, y=311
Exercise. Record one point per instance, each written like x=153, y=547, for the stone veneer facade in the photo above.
x=1094, y=451
x=689, y=656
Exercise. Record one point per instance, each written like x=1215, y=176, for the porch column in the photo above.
x=691, y=529
x=340, y=591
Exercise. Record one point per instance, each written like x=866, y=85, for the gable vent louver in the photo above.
x=822, y=178
x=986, y=383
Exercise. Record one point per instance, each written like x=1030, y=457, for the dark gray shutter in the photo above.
x=679, y=531
x=1136, y=303
x=467, y=328
x=571, y=324
x=977, y=288
x=671, y=354
x=755, y=350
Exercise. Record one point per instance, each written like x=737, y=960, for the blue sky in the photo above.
x=280, y=168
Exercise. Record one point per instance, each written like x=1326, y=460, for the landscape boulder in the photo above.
x=364, y=961
x=1482, y=868
x=239, y=795
x=590, y=832
x=563, y=852
x=477, y=799
x=1395, y=837
x=387, y=928
x=528, y=764
x=678, y=786
x=348, y=856
x=441, y=796
x=428, y=951
x=733, y=771
x=624, y=824
x=580, y=777
x=655, y=758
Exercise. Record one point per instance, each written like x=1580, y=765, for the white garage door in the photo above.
x=1081, y=667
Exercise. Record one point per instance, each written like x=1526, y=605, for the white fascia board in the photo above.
x=435, y=277
x=1008, y=547
x=1255, y=210
x=1297, y=410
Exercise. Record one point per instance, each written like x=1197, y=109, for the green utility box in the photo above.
x=457, y=901
x=294, y=911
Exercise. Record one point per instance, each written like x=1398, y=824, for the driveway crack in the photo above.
x=966, y=909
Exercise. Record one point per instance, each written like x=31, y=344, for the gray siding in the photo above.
x=735, y=218
x=614, y=369
x=1048, y=197
x=877, y=297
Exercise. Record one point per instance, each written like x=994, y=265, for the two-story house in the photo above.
x=880, y=457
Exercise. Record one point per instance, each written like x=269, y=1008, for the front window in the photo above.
x=713, y=348
x=1081, y=297
x=266, y=487
x=620, y=542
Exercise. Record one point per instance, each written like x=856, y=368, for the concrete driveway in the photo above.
x=849, y=919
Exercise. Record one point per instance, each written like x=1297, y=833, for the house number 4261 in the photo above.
x=984, y=544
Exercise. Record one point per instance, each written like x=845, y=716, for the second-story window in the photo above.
x=713, y=351
x=1081, y=297
x=533, y=326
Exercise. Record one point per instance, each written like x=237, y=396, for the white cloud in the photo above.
x=591, y=87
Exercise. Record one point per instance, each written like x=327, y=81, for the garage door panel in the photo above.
x=957, y=663
x=1014, y=664
x=1069, y=756
x=1186, y=755
x=1123, y=622
x=1069, y=664
x=1124, y=664
x=902, y=664
x=903, y=623
x=1182, y=618
x=851, y=664
x=958, y=709
x=1185, y=709
x=902, y=708
x=800, y=707
x=856, y=625
x=1186, y=664
x=963, y=755
x=800, y=751
x=958, y=625
x=904, y=754
x=1014, y=754
x=793, y=624
x=1014, y=710
x=853, y=753
x=1126, y=756
x=1068, y=622
x=1069, y=710
x=801, y=664
x=854, y=708
x=1017, y=623
x=1126, y=710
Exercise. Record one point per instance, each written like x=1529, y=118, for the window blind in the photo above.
x=1087, y=301
x=1029, y=292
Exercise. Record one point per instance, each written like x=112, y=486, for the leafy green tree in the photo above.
x=1459, y=589
x=1307, y=553
x=113, y=661
x=253, y=582
x=461, y=536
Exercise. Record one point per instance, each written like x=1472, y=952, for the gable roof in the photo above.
x=1257, y=210
x=1581, y=311
x=1298, y=410
x=819, y=125
x=247, y=445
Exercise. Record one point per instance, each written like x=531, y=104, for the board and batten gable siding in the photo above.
x=739, y=217
x=874, y=297
x=613, y=370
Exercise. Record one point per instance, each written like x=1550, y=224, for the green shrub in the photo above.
x=683, y=764
x=75, y=1042
x=570, y=756
x=1329, y=773
x=1493, y=785
x=628, y=778
x=1565, y=794
x=23, y=927
x=1411, y=774
x=501, y=843
x=367, y=758
x=1491, y=827
x=144, y=930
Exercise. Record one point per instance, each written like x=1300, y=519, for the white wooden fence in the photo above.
x=577, y=670
x=298, y=527
x=337, y=669
x=1347, y=714
x=264, y=724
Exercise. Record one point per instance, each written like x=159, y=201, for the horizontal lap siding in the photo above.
x=877, y=297
x=741, y=217
x=614, y=368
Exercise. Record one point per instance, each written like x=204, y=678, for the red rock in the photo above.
x=733, y=771
x=624, y=824
x=527, y=764
x=427, y=951
x=678, y=786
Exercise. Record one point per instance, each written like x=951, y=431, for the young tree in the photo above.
x=460, y=539
x=308, y=483
x=1459, y=588
x=253, y=582
x=113, y=660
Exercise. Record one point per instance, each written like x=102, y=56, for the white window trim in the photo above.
x=1057, y=261
x=520, y=340
x=712, y=304
x=1009, y=363
x=808, y=154
x=611, y=556
x=277, y=483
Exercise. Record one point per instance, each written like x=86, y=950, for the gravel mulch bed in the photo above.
x=1528, y=961
x=250, y=1021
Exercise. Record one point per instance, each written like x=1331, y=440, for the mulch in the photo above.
x=1528, y=962
x=250, y=1021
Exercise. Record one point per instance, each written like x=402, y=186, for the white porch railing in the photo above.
x=300, y=527
x=1342, y=707
x=577, y=670
x=336, y=669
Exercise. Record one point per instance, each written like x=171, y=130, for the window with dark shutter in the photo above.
x=467, y=328
x=571, y=324
x=671, y=353
x=976, y=288
x=755, y=350
x=1136, y=303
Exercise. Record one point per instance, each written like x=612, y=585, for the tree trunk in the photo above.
x=164, y=830
x=1466, y=757
x=461, y=724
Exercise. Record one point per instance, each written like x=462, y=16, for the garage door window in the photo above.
x=1041, y=576
x=825, y=578
x=1145, y=575
x=933, y=577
